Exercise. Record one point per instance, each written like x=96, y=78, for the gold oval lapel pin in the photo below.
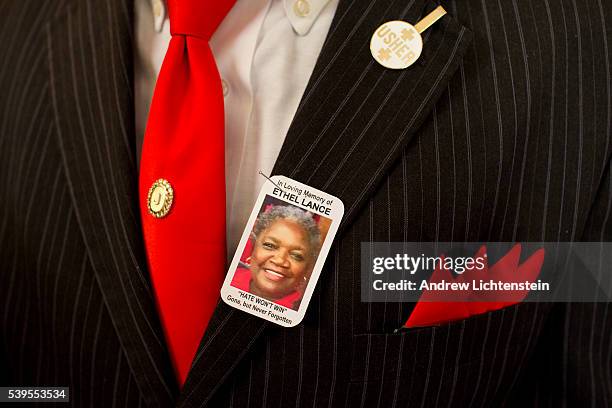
x=160, y=197
x=397, y=44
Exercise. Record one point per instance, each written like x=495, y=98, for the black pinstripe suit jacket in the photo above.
x=501, y=132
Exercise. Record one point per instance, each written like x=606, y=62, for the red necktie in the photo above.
x=182, y=180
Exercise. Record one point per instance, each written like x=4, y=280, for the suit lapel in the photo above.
x=354, y=119
x=90, y=64
x=356, y=116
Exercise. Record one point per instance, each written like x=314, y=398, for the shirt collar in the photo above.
x=302, y=14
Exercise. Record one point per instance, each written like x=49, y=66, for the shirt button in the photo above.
x=159, y=15
x=301, y=8
x=157, y=8
x=224, y=87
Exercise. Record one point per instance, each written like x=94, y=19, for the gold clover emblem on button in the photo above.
x=160, y=198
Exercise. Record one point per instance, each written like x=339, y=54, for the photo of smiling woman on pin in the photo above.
x=284, y=245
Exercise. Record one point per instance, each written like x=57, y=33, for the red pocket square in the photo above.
x=432, y=309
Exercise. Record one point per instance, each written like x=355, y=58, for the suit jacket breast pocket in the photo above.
x=468, y=361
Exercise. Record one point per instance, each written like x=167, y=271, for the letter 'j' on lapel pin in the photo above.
x=160, y=197
x=398, y=44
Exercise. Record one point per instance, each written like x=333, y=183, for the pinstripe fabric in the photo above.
x=97, y=155
x=58, y=323
x=500, y=132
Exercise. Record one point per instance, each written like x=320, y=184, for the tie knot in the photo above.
x=197, y=18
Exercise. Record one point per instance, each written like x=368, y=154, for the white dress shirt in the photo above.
x=265, y=51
